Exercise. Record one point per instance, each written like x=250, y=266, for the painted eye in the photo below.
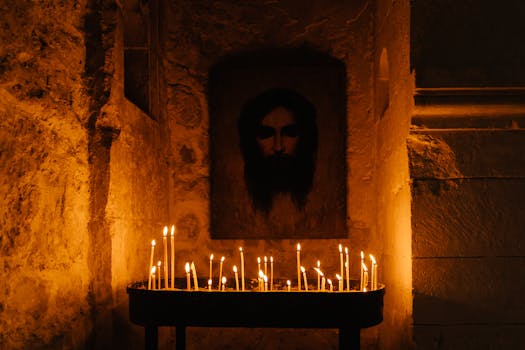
x=291, y=130
x=264, y=132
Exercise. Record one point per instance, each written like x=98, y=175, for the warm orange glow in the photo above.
x=187, y=267
x=298, y=246
x=234, y=268
x=165, y=231
x=173, y=230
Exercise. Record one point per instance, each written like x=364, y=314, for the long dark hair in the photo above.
x=255, y=173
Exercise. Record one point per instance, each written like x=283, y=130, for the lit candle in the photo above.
x=151, y=262
x=305, y=280
x=265, y=265
x=271, y=272
x=195, y=280
x=289, y=285
x=153, y=270
x=341, y=260
x=347, y=269
x=188, y=281
x=209, y=284
x=165, y=244
x=258, y=263
x=173, y=256
x=220, y=272
x=260, y=280
x=362, y=271
x=340, y=279
x=236, y=277
x=211, y=267
x=318, y=275
x=298, y=266
x=330, y=284
x=265, y=278
x=373, y=273
x=365, y=278
x=223, y=279
x=242, y=268
x=158, y=274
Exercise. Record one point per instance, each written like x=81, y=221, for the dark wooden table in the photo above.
x=347, y=311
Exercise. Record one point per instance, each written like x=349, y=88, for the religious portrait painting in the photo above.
x=277, y=147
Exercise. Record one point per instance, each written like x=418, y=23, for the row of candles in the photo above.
x=155, y=271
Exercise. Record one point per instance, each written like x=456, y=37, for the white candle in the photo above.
x=271, y=272
x=236, y=277
x=242, y=268
x=265, y=265
x=289, y=285
x=318, y=275
x=223, y=279
x=330, y=284
x=209, y=284
x=195, y=280
x=258, y=263
x=365, y=277
x=303, y=270
x=347, y=269
x=151, y=262
x=373, y=273
x=341, y=260
x=298, y=266
x=211, y=268
x=158, y=274
x=260, y=280
x=362, y=271
x=220, y=272
x=153, y=270
x=173, y=256
x=188, y=281
x=265, y=278
x=165, y=244
x=340, y=279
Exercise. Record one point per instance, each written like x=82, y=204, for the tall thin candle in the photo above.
x=373, y=273
x=165, y=244
x=153, y=278
x=347, y=269
x=220, y=272
x=341, y=260
x=158, y=274
x=211, y=268
x=362, y=271
x=242, y=268
x=236, y=277
x=258, y=263
x=195, y=279
x=188, y=280
x=265, y=265
x=271, y=272
x=303, y=270
x=172, y=256
x=298, y=266
x=340, y=279
x=318, y=275
x=365, y=278
x=330, y=284
x=151, y=262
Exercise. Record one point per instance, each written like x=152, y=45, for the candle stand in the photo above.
x=348, y=311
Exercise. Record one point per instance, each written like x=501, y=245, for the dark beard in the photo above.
x=280, y=172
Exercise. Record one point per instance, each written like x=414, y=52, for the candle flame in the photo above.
x=259, y=259
x=364, y=267
x=338, y=277
x=153, y=243
x=346, y=250
x=158, y=264
x=234, y=268
x=373, y=259
x=165, y=233
x=298, y=247
x=329, y=281
x=187, y=267
x=265, y=259
x=173, y=230
x=362, y=255
x=302, y=269
x=271, y=258
x=261, y=274
x=318, y=263
x=364, y=289
x=209, y=282
x=211, y=257
x=223, y=280
x=240, y=249
x=153, y=269
x=288, y=282
x=340, y=248
x=222, y=259
x=265, y=278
